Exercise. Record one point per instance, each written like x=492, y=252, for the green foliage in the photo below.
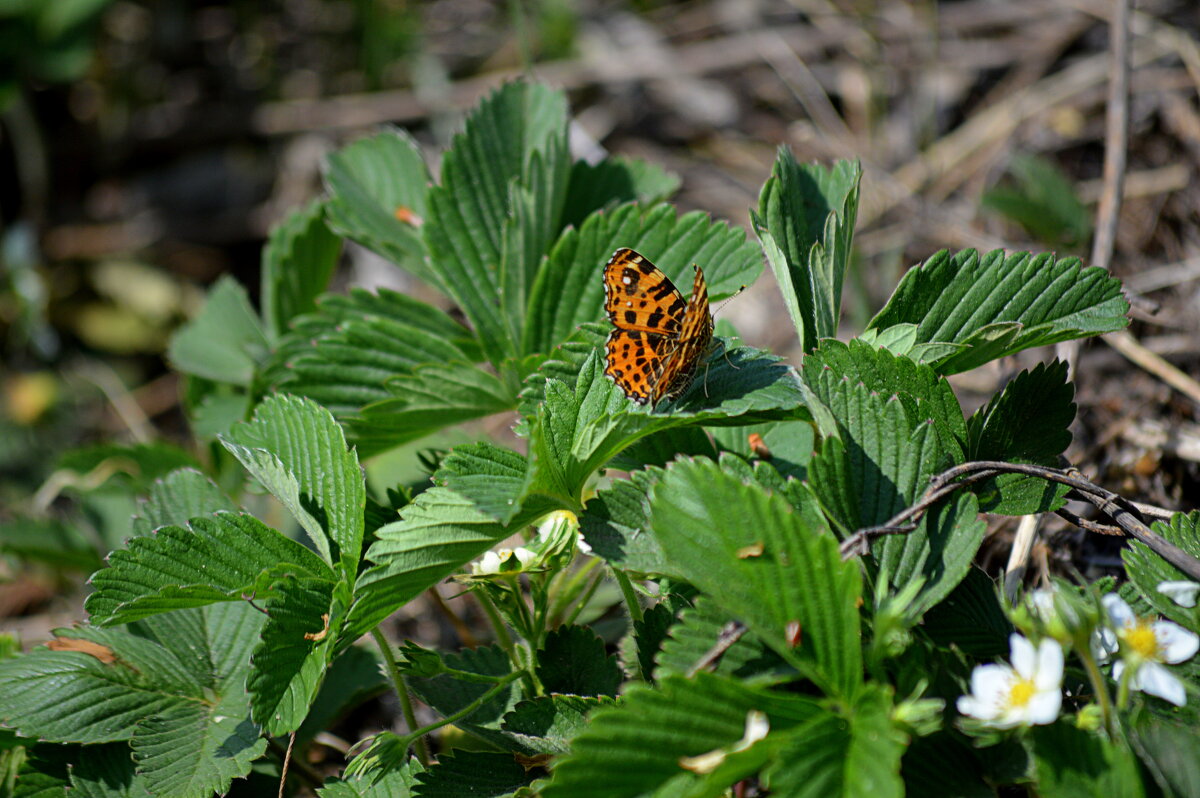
x=746, y=648
x=969, y=310
x=1043, y=201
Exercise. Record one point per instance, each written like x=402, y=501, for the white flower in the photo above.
x=1182, y=592
x=493, y=561
x=1028, y=692
x=1146, y=645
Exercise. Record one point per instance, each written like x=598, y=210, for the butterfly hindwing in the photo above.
x=634, y=360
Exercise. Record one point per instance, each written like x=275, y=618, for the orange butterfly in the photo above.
x=659, y=338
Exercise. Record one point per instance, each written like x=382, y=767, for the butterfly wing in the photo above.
x=695, y=337
x=634, y=360
x=638, y=296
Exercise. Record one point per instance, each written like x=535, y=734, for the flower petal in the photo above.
x=1118, y=611
x=991, y=683
x=1024, y=658
x=1182, y=592
x=1044, y=706
x=1156, y=680
x=1049, y=666
x=1104, y=644
x=1175, y=644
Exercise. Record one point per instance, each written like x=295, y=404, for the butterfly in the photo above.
x=658, y=338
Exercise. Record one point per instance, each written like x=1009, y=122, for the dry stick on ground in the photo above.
x=1124, y=513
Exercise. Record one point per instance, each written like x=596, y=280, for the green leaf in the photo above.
x=971, y=618
x=569, y=290
x=297, y=262
x=397, y=782
x=832, y=756
x=225, y=342
x=433, y=396
x=942, y=764
x=197, y=749
x=344, y=354
x=563, y=363
x=355, y=676
x=923, y=393
x=805, y=221
x=40, y=772
x=789, y=444
x=649, y=634
x=494, y=479
x=177, y=498
x=1001, y=303
x=573, y=661
x=611, y=182
x=879, y=461
x=662, y=447
x=547, y=724
x=297, y=645
x=447, y=695
x=92, y=771
x=355, y=351
x=711, y=525
x=696, y=633
x=1147, y=570
x=1170, y=751
x=532, y=226
x=578, y=431
x=50, y=541
x=1043, y=202
x=368, y=182
x=1027, y=422
x=483, y=176
x=439, y=533
x=297, y=451
x=1074, y=762
x=616, y=521
x=181, y=704
x=475, y=773
x=218, y=559
x=635, y=748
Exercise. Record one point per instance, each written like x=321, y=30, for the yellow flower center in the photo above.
x=1022, y=690
x=1140, y=637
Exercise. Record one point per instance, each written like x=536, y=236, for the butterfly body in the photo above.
x=658, y=337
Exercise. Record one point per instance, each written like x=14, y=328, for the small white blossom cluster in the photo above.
x=1029, y=691
x=557, y=529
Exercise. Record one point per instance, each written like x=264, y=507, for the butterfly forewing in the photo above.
x=638, y=296
x=659, y=338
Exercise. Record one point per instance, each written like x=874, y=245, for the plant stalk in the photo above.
x=401, y=688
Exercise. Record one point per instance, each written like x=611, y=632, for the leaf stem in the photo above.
x=1099, y=685
x=402, y=693
x=489, y=609
x=631, y=599
x=570, y=587
x=419, y=734
x=586, y=597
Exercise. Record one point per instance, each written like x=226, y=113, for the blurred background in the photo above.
x=147, y=147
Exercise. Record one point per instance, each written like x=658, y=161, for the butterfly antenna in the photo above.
x=729, y=299
x=725, y=349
